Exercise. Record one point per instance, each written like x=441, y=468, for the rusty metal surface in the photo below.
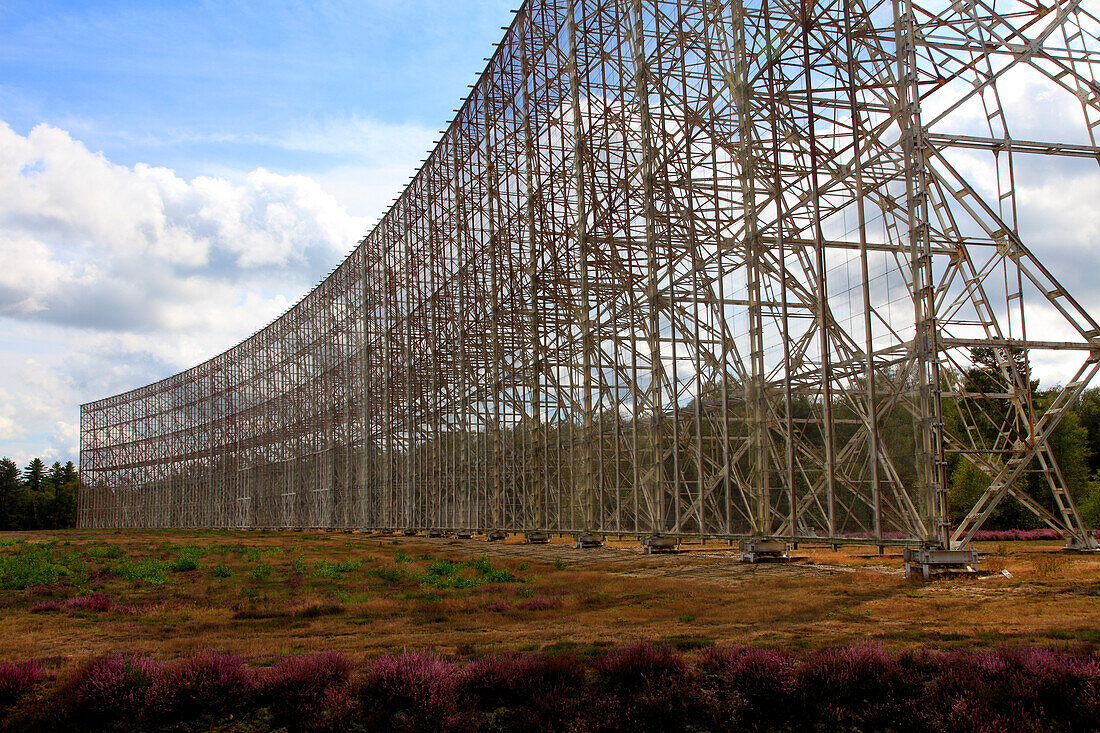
x=675, y=268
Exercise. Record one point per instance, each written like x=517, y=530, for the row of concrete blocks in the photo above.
x=752, y=551
x=924, y=561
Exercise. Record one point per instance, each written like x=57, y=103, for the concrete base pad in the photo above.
x=764, y=550
x=933, y=561
x=659, y=543
x=586, y=540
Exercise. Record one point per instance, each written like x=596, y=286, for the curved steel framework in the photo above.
x=677, y=267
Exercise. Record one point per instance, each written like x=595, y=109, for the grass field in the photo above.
x=242, y=632
x=68, y=596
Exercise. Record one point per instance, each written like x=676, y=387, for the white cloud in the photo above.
x=112, y=276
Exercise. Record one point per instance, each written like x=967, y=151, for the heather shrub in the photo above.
x=751, y=689
x=209, y=682
x=98, y=602
x=297, y=688
x=48, y=606
x=16, y=680
x=414, y=691
x=857, y=687
x=1018, y=689
x=641, y=686
x=540, y=604
x=112, y=689
x=636, y=687
x=1017, y=535
x=524, y=692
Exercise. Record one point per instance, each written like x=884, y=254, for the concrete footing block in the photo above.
x=660, y=543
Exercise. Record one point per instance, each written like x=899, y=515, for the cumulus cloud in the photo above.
x=91, y=243
x=112, y=276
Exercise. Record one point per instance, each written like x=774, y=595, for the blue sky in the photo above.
x=174, y=175
x=202, y=87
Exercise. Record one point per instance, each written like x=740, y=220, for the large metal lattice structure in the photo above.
x=677, y=267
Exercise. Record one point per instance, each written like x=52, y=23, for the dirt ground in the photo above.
x=263, y=594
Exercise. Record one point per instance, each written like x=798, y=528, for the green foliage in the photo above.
x=33, y=565
x=222, y=571
x=1088, y=503
x=560, y=564
x=1073, y=443
x=446, y=574
x=334, y=571
x=488, y=572
x=400, y=556
x=38, y=497
x=298, y=565
x=109, y=552
x=261, y=572
x=389, y=575
x=186, y=559
x=148, y=570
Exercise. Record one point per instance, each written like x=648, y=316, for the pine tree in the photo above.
x=11, y=490
x=33, y=478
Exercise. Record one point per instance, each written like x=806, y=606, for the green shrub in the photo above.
x=187, y=558
x=488, y=572
x=325, y=569
x=109, y=552
x=389, y=575
x=298, y=565
x=31, y=566
x=445, y=574
x=262, y=571
x=222, y=571
x=149, y=570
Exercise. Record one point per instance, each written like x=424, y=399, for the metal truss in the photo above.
x=677, y=267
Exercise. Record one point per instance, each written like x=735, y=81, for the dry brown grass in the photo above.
x=601, y=597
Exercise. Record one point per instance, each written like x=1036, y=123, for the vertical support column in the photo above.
x=588, y=488
x=494, y=459
x=534, y=514
x=756, y=396
x=822, y=316
x=930, y=456
x=871, y=402
x=656, y=498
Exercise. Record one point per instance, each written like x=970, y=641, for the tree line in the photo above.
x=37, y=497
